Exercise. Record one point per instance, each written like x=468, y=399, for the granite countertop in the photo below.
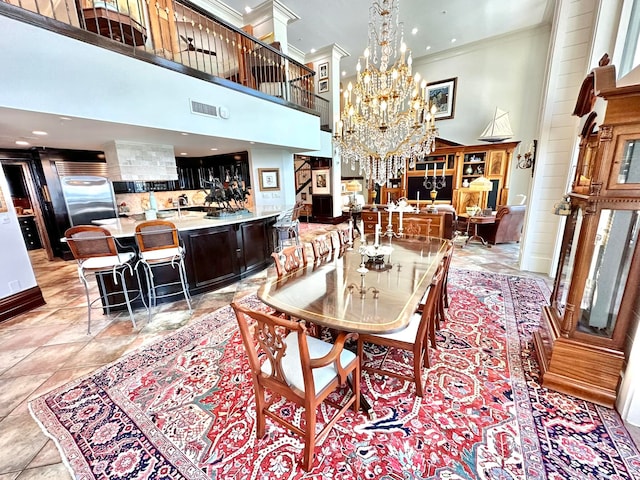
x=125, y=227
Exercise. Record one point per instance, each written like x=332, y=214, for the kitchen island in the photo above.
x=219, y=251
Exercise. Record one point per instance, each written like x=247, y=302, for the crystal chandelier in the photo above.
x=386, y=119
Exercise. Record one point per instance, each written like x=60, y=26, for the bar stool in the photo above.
x=159, y=247
x=287, y=225
x=94, y=248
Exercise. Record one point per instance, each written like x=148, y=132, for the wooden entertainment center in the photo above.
x=459, y=164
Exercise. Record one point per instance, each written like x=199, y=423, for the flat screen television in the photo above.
x=415, y=185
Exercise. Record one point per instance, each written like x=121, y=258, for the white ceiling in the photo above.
x=343, y=22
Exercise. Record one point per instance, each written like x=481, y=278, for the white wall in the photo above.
x=506, y=72
x=283, y=161
x=16, y=273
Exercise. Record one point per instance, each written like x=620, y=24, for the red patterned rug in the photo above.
x=184, y=408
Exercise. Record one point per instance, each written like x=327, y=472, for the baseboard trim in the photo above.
x=21, y=302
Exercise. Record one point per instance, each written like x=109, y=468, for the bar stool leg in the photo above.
x=85, y=283
x=125, y=292
x=183, y=281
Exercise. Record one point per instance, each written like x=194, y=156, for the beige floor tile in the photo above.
x=49, y=472
x=45, y=359
x=20, y=442
x=14, y=391
x=49, y=455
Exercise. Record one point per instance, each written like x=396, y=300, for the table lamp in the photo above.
x=481, y=184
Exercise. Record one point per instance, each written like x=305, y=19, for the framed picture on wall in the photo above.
x=323, y=86
x=269, y=179
x=323, y=70
x=321, y=183
x=443, y=95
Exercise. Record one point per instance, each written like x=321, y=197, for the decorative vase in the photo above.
x=465, y=183
x=469, y=170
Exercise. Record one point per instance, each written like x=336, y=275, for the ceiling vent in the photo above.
x=209, y=110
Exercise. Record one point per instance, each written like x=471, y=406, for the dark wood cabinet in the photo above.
x=212, y=255
x=221, y=255
x=584, y=339
x=30, y=232
x=322, y=207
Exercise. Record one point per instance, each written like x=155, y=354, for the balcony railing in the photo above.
x=192, y=37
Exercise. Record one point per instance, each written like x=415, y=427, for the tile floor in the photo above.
x=49, y=346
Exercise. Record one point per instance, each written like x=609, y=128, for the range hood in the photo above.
x=133, y=162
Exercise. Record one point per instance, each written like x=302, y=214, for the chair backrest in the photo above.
x=345, y=235
x=156, y=235
x=297, y=210
x=322, y=246
x=88, y=241
x=430, y=304
x=264, y=337
x=289, y=259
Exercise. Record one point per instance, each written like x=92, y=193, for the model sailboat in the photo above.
x=499, y=128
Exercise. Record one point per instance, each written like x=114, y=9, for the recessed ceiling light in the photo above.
x=183, y=133
x=313, y=50
x=248, y=9
x=22, y=142
x=252, y=143
x=453, y=40
x=65, y=118
x=39, y=132
x=428, y=47
x=344, y=73
x=214, y=149
x=414, y=30
x=183, y=153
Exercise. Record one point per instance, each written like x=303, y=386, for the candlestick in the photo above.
x=388, y=197
x=400, y=229
x=390, y=212
x=377, y=235
x=379, y=219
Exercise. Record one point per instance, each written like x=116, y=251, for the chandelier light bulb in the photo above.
x=403, y=47
x=366, y=53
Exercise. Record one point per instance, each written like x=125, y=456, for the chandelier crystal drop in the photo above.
x=387, y=118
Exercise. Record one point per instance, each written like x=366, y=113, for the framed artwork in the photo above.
x=3, y=202
x=443, y=95
x=323, y=70
x=269, y=179
x=302, y=176
x=303, y=196
x=323, y=86
x=321, y=184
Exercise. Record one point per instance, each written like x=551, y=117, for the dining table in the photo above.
x=367, y=288
x=363, y=289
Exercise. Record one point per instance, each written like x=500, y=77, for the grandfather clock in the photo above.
x=584, y=339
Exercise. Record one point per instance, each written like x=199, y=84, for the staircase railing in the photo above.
x=190, y=36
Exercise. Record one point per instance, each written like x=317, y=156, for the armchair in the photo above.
x=508, y=226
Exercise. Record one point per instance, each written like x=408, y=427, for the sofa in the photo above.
x=508, y=226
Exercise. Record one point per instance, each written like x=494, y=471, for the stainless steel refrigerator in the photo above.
x=88, y=198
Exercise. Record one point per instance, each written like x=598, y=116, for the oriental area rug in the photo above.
x=183, y=408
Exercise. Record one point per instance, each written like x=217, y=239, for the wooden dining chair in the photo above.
x=345, y=236
x=289, y=259
x=322, y=246
x=298, y=367
x=443, y=301
x=413, y=338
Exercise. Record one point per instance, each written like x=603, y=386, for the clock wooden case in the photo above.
x=586, y=331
